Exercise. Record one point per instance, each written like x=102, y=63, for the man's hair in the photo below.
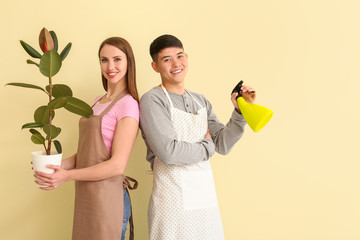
x=162, y=42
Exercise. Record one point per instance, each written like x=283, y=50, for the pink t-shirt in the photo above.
x=127, y=106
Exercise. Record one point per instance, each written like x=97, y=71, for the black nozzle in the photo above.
x=238, y=88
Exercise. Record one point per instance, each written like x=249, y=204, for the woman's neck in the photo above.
x=113, y=91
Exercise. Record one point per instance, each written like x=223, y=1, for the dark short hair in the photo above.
x=164, y=41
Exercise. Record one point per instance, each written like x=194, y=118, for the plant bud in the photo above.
x=45, y=40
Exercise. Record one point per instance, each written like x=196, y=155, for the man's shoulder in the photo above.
x=198, y=96
x=153, y=94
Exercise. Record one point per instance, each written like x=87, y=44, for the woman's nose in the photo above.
x=110, y=65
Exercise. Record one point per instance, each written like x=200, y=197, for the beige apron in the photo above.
x=98, y=204
x=183, y=203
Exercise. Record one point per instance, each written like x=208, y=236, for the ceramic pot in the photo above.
x=40, y=160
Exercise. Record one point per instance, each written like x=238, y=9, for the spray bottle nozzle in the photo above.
x=238, y=88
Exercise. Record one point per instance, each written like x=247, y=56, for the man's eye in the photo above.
x=167, y=60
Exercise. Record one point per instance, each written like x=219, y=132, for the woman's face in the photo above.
x=113, y=64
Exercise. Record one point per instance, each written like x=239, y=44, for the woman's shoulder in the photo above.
x=97, y=98
x=127, y=100
x=127, y=106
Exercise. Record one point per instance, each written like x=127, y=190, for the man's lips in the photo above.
x=176, y=71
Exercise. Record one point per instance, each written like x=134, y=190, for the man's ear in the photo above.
x=154, y=66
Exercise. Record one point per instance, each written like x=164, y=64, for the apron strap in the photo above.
x=167, y=95
x=171, y=104
x=127, y=185
x=117, y=98
x=194, y=99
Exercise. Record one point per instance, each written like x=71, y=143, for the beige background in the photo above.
x=297, y=179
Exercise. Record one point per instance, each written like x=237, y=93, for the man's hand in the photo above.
x=248, y=93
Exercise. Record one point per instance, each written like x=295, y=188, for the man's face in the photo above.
x=172, y=64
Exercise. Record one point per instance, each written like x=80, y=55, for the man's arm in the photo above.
x=159, y=134
x=226, y=136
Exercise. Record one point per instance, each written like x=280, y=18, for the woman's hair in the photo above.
x=162, y=42
x=125, y=47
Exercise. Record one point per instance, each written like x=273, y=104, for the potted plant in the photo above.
x=59, y=96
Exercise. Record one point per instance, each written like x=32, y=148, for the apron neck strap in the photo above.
x=194, y=98
x=171, y=104
x=167, y=95
x=117, y=98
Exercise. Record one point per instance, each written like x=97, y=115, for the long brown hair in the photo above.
x=125, y=47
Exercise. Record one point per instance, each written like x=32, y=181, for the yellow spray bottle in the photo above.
x=255, y=115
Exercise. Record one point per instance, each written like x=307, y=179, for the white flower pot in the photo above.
x=40, y=160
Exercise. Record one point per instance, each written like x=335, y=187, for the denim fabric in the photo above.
x=127, y=213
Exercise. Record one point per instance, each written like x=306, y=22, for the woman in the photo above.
x=102, y=207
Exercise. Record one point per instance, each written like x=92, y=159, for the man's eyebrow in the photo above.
x=179, y=53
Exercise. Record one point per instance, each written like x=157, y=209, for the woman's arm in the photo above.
x=124, y=137
x=69, y=163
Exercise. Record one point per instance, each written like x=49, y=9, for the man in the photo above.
x=182, y=132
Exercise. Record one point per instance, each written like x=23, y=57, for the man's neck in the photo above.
x=178, y=88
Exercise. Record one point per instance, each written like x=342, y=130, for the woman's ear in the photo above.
x=154, y=66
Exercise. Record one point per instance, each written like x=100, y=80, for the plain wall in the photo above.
x=297, y=179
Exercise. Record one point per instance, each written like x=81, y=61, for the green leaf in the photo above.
x=78, y=106
x=65, y=51
x=50, y=63
x=30, y=50
x=58, y=146
x=32, y=62
x=25, y=85
x=32, y=125
x=41, y=115
x=54, y=37
x=57, y=103
x=60, y=90
x=37, y=138
x=51, y=131
x=34, y=131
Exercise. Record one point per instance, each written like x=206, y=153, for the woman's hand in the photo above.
x=54, y=180
x=248, y=93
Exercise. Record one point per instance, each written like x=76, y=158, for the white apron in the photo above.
x=183, y=204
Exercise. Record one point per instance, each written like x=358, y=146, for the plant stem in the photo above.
x=48, y=150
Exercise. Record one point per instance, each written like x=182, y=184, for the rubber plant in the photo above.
x=59, y=95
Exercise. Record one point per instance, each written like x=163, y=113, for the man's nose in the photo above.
x=176, y=62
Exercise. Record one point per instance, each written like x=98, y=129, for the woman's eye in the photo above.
x=103, y=60
x=117, y=59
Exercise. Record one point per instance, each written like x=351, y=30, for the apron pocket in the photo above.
x=198, y=190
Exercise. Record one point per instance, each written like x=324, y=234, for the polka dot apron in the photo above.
x=183, y=204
